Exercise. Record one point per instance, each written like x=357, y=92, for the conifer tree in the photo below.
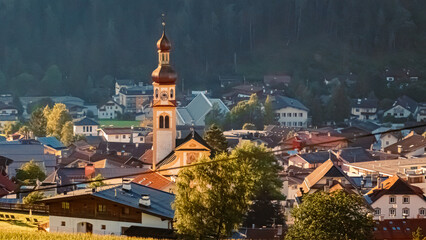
x=215, y=138
x=269, y=111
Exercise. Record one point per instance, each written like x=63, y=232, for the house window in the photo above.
x=63, y=224
x=116, y=136
x=300, y=114
x=101, y=208
x=294, y=114
x=84, y=128
x=405, y=212
x=90, y=128
x=283, y=114
x=377, y=211
x=288, y=114
x=300, y=124
x=124, y=136
x=405, y=199
x=422, y=211
x=283, y=123
x=103, y=227
x=289, y=124
x=295, y=124
x=387, y=143
x=401, y=114
x=392, y=199
x=125, y=210
x=166, y=122
x=156, y=93
x=65, y=205
x=392, y=212
x=161, y=122
x=357, y=109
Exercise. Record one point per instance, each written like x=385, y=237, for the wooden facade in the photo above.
x=92, y=207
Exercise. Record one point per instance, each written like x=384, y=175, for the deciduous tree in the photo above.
x=29, y=173
x=33, y=197
x=56, y=119
x=336, y=215
x=67, y=133
x=269, y=111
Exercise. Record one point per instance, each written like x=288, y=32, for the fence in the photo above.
x=25, y=207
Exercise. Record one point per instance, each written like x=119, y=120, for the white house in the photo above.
x=364, y=109
x=290, y=112
x=388, y=139
x=395, y=198
x=8, y=110
x=111, y=210
x=195, y=112
x=421, y=112
x=110, y=110
x=122, y=135
x=123, y=83
x=403, y=107
x=86, y=127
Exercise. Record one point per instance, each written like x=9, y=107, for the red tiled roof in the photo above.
x=147, y=157
x=6, y=185
x=398, y=229
x=153, y=180
x=394, y=185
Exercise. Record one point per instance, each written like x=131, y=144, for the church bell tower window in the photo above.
x=161, y=122
x=166, y=122
x=171, y=93
x=156, y=93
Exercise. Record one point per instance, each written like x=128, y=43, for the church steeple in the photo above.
x=164, y=102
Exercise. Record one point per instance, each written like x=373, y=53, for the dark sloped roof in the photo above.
x=283, y=102
x=408, y=144
x=86, y=121
x=315, y=157
x=364, y=103
x=356, y=154
x=193, y=135
x=52, y=142
x=127, y=82
x=406, y=102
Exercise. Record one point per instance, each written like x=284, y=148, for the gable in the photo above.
x=192, y=144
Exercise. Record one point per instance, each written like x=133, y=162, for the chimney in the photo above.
x=399, y=149
x=379, y=182
x=145, y=201
x=89, y=171
x=127, y=186
x=280, y=230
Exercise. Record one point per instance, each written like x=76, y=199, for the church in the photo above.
x=169, y=152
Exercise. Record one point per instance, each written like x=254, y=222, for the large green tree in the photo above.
x=213, y=198
x=38, y=123
x=269, y=117
x=67, y=133
x=52, y=81
x=215, y=138
x=339, y=105
x=331, y=216
x=56, y=118
x=215, y=116
x=29, y=173
x=33, y=197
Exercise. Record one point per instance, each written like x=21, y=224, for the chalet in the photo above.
x=110, y=110
x=195, y=112
x=290, y=112
x=245, y=91
x=86, y=127
x=403, y=107
x=395, y=198
x=364, y=109
x=6, y=98
x=412, y=145
x=110, y=210
x=328, y=177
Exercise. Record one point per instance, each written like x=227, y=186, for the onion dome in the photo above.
x=164, y=74
x=164, y=44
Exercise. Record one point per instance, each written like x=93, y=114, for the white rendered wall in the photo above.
x=292, y=119
x=383, y=203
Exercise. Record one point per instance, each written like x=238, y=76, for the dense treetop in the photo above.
x=78, y=47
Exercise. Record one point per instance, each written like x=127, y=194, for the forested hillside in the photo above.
x=78, y=47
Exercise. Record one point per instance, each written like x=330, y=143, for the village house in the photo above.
x=364, y=109
x=395, y=198
x=156, y=180
x=85, y=127
x=122, y=135
x=134, y=99
x=195, y=112
x=328, y=177
x=110, y=210
x=403, y=107
x=311, y=141
x=123, y=83
x=6, y=98
x=8, y=110
x=420, y=113
x=387, y=139
x=290, y=112
x=397, y=228
x=412, y=145
x=110, y=110
x=276, y=81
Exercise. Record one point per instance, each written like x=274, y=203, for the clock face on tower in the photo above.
x=164, y=96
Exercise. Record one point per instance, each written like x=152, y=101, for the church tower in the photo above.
x=164, y=103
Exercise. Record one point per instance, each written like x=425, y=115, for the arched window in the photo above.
x=156, y=93
x=166, y=122
x=161, y=122
x=171, y=93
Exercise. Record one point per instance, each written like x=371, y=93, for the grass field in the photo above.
x=117, y=123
